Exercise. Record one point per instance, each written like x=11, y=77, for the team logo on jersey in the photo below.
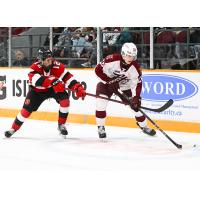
x=2, y=87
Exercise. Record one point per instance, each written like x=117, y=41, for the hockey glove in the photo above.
x=112, y=87
x=58, y=86
x=135, y=103
x=113, y=83
x=80, y=91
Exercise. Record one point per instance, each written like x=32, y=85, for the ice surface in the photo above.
x=37, y=145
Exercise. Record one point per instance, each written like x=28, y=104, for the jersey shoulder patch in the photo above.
x=112, y=58
x=36, y=66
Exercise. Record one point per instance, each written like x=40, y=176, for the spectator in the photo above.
x=167, y=48
x=3, y=62
x=181, y=50
x=79, y=41
x=125, y=36
x=21, y=60
x=56, y=35
x=91, y=52
x=110, y=36
x=63, y=46
x=187, y=58
x=195, y=36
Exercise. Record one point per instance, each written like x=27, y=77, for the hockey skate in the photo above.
x=147, y=130
x=62, y=130
x=101, y=132
x=9, y=133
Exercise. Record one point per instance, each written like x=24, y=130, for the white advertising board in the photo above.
x=182, y=87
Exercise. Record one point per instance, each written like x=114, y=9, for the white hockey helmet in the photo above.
x=129, y=49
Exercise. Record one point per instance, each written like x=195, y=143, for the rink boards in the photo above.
x=158, y=87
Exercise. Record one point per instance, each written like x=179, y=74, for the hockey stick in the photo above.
x=179, y=146
x=162, y=108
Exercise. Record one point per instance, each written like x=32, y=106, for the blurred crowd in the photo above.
x=176, y=48
x=76, y=46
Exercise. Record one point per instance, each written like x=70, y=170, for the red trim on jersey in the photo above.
x=113, y=57
x=139, y=85
x=100, y=74
x=67, y=76
x=138, y=89
x=99, y=68
x=140, y=119
x=100, y=114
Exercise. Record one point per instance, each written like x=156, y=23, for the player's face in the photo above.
x=128, y=59
x=48, y=61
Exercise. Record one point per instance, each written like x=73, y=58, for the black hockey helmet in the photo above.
x=44, y=53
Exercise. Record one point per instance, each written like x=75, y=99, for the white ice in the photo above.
x=37, y=145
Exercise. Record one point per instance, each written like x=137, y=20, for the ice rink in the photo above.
x=38, y=146
x=37, y=163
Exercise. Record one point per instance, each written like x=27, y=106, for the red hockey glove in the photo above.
x=58, y=86
x=80, y=91
x=135, y=103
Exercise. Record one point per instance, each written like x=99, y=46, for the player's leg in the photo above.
x=63, y=100
x=31, y=103
x=142, y=123
x=101, y=105
x=140, y=118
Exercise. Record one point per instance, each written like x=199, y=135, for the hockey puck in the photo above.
x=194, y=145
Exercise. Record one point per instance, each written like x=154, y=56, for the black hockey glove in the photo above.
x=135, y=103
x=113, y=84
x=112, y=87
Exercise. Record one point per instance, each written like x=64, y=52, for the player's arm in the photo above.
x=38, y=80
x=136, y=100
x=102, y=70
x=139, y=87
x=139, y=80
x=100, y=74
x=73, y=84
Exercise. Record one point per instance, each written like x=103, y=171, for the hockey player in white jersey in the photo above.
x=120, y=72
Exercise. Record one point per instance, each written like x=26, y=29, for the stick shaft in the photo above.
x=154, y=123
x=162, y=108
